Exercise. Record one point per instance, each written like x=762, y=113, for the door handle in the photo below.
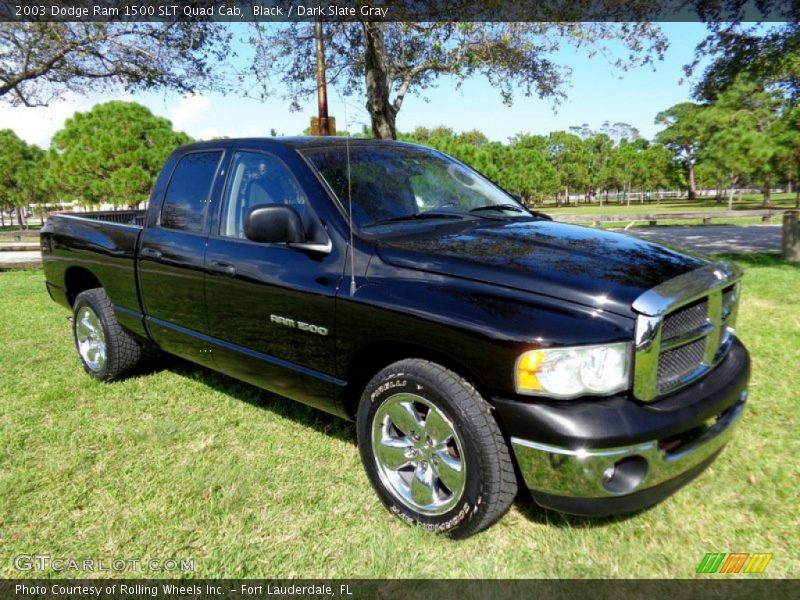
x=150, y=253
x=222, y=267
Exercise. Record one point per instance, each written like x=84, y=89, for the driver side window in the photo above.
x=256, y=180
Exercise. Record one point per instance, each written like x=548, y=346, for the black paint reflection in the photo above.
x=594, y=267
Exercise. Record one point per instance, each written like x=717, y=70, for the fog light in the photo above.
x=625, y=475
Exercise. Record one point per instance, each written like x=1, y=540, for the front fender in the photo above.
x=481, y=326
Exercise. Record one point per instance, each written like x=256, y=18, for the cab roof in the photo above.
x=298, y=142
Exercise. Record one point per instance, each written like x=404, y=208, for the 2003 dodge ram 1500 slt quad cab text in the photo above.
x=477, y=344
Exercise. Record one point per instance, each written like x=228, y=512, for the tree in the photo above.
x=751, y=112
x=658, y=164
x=36, y=187
x=769, y=55
x=41, y=61
x=733, y=151
x=21, y=174
x=600, y=149
x=112, y=153
x=570, y=157
x=473, y=137
x=387, y=60
x=787, y=147
x=620, y=131
x=529, y=172
x=627, y=167
x=683, y=133
x=754, y=74
x=759, y=108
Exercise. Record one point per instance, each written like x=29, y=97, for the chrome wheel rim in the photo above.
x=418, y=454
x=90, y=338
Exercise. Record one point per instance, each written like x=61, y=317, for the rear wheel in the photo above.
x=106, y=350
x=432, y=449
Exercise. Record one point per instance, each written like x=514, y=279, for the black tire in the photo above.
x=122, y=352
x=475, y=462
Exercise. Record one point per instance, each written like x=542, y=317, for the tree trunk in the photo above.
x=21, y=223
x=690, y=177
x=765, y=190
x=730, y=197
x=791, y=236
x=381, y=110
x=797, y=197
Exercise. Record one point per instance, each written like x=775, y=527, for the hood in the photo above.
x=588, y=266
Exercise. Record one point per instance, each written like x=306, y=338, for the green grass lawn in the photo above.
x=181, y=462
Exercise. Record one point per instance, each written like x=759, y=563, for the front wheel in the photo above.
x=432, y=449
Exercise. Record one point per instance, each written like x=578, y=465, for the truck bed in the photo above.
x=98, y=246
x=123, y=217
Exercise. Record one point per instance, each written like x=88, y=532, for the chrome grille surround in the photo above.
x=679, y=303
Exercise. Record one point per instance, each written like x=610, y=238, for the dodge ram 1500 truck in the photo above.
x=477, y=345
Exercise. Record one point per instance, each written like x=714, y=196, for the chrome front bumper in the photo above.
x=614, y=472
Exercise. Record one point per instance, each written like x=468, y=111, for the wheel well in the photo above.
x=77, y=280
x=375, y=357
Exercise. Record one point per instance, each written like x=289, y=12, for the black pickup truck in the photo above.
x=477, y=344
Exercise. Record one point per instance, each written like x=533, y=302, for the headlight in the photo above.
x=571, y=372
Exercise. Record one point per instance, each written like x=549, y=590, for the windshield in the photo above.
x=399, y=184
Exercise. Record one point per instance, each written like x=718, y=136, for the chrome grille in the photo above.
x=685, y=320
x=679, y=363
x=684, y=328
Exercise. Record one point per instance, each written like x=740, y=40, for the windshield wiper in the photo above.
x=514, y=208
x=416, y=216
x=511, y=207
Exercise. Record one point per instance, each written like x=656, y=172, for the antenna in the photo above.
x=349, y=201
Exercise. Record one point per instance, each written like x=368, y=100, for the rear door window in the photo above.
x=189, y=192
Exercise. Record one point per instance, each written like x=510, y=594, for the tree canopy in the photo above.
x=22, y=173
x=683, y=133
x=744, y=130
x=112, y=153
x=40, y=61
x=588, y=166
x=767, y=54
x=385, y=61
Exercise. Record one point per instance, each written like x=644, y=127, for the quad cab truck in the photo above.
x=479, y=346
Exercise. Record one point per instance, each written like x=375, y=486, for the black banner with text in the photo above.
x=410, y=589
x=397, y=10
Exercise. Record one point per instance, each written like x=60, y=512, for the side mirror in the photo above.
x=274, y=223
